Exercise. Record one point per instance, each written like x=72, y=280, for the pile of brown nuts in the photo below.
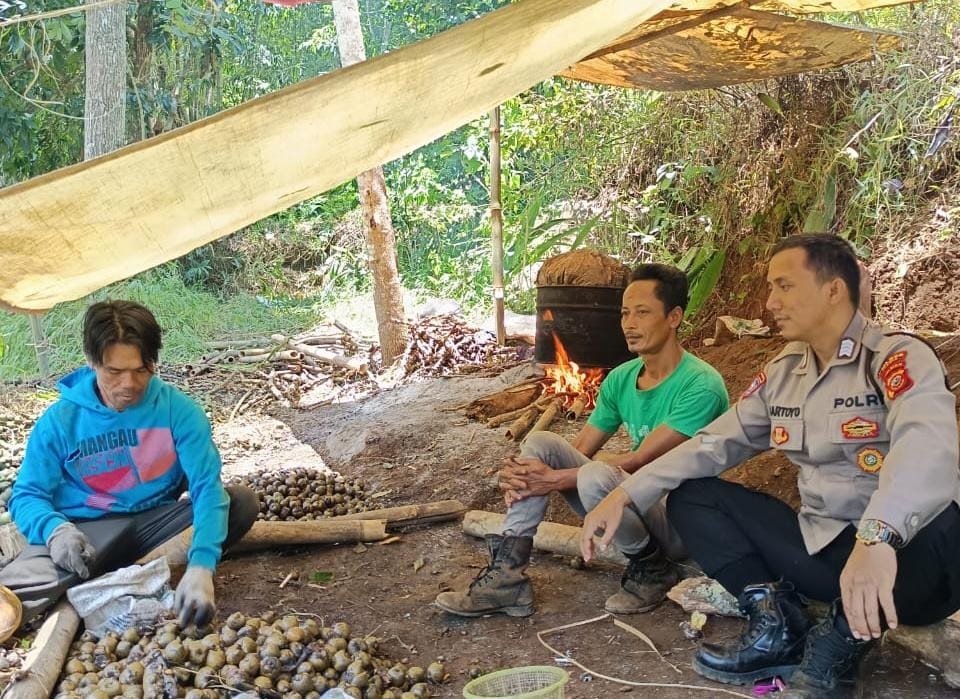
x=289, y=657
x=304, y=494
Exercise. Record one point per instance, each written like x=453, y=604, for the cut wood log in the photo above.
x=282, y=355
x=552, y=537
x=42, y=666
x=410, y=515
x=269, y=535
x=578, y=406
x=522, y=424
x=352, y=363
x=503, y=418
x=937, y=645
x=235, y=344
x=508, y=400
x=548, y=415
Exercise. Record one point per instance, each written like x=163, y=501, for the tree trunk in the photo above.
x=375, y=205
x=104, y=108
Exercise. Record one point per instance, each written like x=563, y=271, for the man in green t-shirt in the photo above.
x=661, y=398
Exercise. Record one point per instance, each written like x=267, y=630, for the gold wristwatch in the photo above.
x=874, y=531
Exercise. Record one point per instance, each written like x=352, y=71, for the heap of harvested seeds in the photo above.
x=289, y=657
x=304, y=494
x=13, y=438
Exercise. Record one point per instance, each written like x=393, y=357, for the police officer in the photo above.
x=867, y=417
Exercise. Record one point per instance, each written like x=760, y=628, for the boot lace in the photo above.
x=483, y=576
x=757, y=630
x=827, y=656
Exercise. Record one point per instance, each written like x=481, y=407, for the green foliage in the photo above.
x=188, y=317
x=703, y=265
x=821, y=217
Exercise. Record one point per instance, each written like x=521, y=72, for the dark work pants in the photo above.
x=119, y=540
x=741, y=537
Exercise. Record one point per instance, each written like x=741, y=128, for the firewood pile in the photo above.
x=444, y=345
x=310, y=369
x=534, y=404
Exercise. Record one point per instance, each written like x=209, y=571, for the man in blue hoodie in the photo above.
x=104, y=469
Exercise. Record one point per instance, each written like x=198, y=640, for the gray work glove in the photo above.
x=194, y=601
x=71, y=549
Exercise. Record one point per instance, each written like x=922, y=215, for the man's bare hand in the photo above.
x=866, y=586
x=605, y=516
x=522, y=476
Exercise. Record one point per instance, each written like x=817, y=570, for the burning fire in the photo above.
x=578, y=387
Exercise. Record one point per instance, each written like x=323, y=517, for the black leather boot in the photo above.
x=831, y=657
x=772, y=644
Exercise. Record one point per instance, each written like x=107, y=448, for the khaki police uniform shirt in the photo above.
x=874, y=435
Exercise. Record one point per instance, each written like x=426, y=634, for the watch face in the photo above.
x=870, y=530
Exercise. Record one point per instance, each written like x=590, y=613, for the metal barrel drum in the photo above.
x=586, y=320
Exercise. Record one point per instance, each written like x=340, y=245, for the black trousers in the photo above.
x=741, y=537
x=119, y=540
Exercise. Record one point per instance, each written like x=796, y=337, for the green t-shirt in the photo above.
x=690, y=398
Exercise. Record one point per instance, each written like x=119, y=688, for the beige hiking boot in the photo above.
x=645, y=583
x=500, y=587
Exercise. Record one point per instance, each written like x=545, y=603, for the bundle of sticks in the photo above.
x=444, y=344
x=332, y=345
x=284, y=368
x=528, y=406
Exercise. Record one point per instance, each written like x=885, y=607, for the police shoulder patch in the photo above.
x=894, y=375
x=870, y=459
x=755, y=385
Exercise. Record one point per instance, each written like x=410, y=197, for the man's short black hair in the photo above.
x=671, y=288
x=126, y=322
x=829, y=256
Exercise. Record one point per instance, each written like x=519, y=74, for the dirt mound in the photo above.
x=583, y=268
x=915, y=283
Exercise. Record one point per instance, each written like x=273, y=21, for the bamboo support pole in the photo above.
x=42, y=666
x=269, y=535
x=40, y=345
x=496, y=226
x=552, y=537
x=409, y=515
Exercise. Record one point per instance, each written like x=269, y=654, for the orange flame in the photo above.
x=566, y=379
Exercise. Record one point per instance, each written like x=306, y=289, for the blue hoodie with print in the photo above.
x=85, y=460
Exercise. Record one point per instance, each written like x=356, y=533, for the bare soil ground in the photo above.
x=411, y=446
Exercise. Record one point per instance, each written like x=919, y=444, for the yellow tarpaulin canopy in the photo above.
x=724, y=47
x=68, y=233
